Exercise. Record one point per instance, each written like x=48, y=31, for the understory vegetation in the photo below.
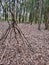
x=25, y=11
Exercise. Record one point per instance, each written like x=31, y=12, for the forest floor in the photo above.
x=21, y=54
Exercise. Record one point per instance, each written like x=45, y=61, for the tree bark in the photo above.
x=40, y=14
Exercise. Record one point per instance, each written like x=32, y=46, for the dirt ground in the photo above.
x=20, y=53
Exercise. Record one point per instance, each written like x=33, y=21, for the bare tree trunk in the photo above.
x=40, y=14
x=47, y=18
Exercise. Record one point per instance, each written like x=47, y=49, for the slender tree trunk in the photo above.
x=40, y=14
x=47, y=19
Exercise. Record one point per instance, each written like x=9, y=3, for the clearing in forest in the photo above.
x=20, y=53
